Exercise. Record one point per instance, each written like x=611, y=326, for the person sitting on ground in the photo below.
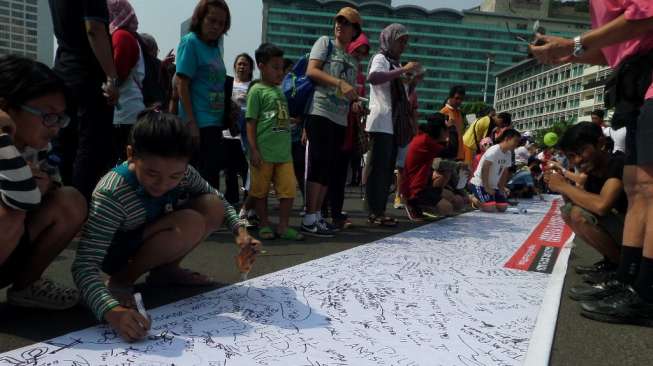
x=422, y=189
x=146, y=215
x=268, y=134
x=489, y=182
x=596, y=211
x=38, y=217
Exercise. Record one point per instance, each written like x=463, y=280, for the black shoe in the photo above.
x=600, y=266
x=625, y=307
x=599, y=277
x=597, y=291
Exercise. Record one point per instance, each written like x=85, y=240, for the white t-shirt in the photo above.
x=380, y=117
x=238, y=95
x=130, y=103
x=618, y=136
x=500, y=161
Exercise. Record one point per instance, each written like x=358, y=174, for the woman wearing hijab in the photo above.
x=388, y=124
x=130, y=65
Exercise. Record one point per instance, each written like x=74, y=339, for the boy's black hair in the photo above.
x=506, y=118
x=250, y=60
x=265, y=52
x=23, y=79
x=456, y=89
x=435, y=125
x=599, y=113
x=508, y=134
x=580, y=135
x=161, y=134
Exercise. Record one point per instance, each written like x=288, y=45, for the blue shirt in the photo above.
x=203, y=65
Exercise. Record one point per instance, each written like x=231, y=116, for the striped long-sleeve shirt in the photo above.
x=18, y=188
x=117, y=205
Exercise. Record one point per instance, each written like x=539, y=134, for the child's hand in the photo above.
x=249, y=248
x=256, y=159
x=43, y=181
x=130, y=325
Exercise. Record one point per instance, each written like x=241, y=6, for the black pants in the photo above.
x=94, y=155
x=336, y=193
x=356, y=168
x=235, y=164
x=299, y=164
x=380, y=171
x=325, y=140
x=209, y=160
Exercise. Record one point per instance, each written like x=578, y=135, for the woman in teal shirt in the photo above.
x=202, y=74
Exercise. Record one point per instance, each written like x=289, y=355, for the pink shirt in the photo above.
x=604, y=11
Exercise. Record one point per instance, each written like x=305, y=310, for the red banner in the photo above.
x=540, y=251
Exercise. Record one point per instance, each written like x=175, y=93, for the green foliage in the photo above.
x=559, y=128
x=473, y=107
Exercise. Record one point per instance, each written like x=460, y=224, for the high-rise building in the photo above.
x=539, y=95
x=456, y=47
x=26, y=29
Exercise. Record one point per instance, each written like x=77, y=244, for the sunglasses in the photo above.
x=48, y=119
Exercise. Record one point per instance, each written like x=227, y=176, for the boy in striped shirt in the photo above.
x=146, y=215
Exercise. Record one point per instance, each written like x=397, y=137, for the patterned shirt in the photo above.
x=119, y=205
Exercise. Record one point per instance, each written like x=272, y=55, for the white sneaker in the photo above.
x=44, y=294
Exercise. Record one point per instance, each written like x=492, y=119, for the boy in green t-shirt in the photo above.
x=269, y=137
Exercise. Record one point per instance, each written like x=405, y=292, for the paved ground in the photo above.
x=578, y=341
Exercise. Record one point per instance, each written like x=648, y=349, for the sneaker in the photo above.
x=414, y=214
x=398, y=204
x=603, y=265
x=624, y=307
x=333, y=228
x=593, y=278
x=44, y=294
x=597, y=291
x=316, y=230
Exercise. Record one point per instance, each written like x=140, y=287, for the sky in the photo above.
x=162, y=19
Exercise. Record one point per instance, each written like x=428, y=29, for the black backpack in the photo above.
x=152, y=88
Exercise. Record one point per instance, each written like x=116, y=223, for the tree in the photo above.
x=473, y=107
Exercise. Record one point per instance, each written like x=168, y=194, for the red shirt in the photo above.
x=417, y=167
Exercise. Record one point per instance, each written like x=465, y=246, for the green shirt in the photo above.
x=268, y=107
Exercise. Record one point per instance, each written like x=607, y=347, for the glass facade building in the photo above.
x=454, y=46
x=26, y=29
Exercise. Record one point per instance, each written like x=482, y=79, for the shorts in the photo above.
x=124, y=246
x=401, y=156
x=16, y=260
x=639, y=134
x=612, y=223
x=281, y=174
x=496, y=199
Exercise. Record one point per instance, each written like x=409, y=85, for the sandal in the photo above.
x=291, y=234
x=382, y=221
x=266, y=233
x=176, y=276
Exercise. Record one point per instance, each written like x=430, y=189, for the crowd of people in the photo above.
x=143, y=199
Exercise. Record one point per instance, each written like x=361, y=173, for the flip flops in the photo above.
x=291, y=234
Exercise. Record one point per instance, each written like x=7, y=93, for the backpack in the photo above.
x=151, y=88
x=298, y=87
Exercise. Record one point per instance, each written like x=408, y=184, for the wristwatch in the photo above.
x=578, y=47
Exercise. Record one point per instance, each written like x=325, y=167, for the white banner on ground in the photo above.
x=436, y=295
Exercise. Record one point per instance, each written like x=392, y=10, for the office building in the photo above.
x=456, y=47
